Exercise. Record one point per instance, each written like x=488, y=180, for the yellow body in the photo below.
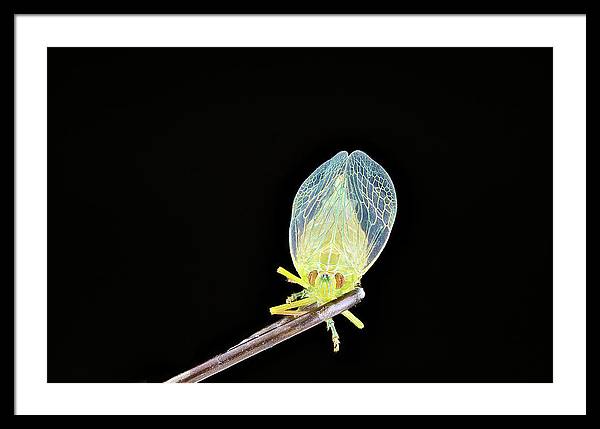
x=341, y=219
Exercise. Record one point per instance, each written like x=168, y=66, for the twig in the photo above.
x=283, y=329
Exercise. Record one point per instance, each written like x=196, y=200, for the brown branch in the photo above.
x=285, y=328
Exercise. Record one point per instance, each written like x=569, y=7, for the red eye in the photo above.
x=312, y=277
x=339, y=280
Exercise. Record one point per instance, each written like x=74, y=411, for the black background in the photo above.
x=171, y=179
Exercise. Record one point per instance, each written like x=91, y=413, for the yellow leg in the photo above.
x=296, y=296
x=291, y=312
x=355, y=320
x=334, y=335
x=300, y=303
x=291, y=277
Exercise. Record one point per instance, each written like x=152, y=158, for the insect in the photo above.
x=342, y=216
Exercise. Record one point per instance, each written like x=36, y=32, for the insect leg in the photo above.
x=355, y=320
x=292, y=278
x=295, y=296
x=334, y=335
x=291, y=312
x=300, y=303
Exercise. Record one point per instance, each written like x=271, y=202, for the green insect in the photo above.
x=342, y=216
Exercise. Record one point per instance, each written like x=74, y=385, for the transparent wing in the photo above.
x=372, y=197
x=314, y=197
x=342, y=216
